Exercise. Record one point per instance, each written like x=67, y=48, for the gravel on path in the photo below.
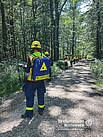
x=73, y=108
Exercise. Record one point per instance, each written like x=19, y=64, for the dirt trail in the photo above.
x=74, y=108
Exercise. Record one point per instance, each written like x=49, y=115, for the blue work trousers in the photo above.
x=30, y=93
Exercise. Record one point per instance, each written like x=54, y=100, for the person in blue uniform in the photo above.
x=66, y=61
x=51, y=64
x=32, y=86
x=71, y=60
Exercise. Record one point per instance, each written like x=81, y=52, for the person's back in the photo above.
x=51, y=64
x=71, y=60
x=66, y=61
x=30, y=63
x=32, y=85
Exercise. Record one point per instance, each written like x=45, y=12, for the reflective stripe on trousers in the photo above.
x=41, y=106
x=30, y=93
x=29, y=108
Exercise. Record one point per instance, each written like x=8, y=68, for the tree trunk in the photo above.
x=4, y=36
x=20, y=38
x=24, y=39
x=98, y=31
x=12, y=31
x=63, y=51
x=73, y=37
x=55, y=24
x=56, y=43
x=52, y=29
x=58, y=36
x=35, y=32
x=51, y=41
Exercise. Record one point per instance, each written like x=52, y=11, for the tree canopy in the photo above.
x=59, y=25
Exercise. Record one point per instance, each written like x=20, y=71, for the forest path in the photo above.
x=74, y=108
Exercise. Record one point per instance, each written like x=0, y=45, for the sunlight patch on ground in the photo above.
x=55, y=110
x=56, y=92
x=94, y=107
x=80, y=87
x=58, y=86
x=46, y=128
x=74, y=96
x=7, y=126
x=61, y=93
x=6, y=103
x=77, y=113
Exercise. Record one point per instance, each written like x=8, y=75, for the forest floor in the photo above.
x=73, y=108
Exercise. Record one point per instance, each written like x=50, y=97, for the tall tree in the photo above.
x=94, y=21
x=71, y=27
x=98, y=31
x=73, y=37
x=4, y=34
x=55, y=24
x=34, y=9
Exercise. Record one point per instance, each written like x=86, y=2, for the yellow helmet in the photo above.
x=36, y=44
x=46, y=53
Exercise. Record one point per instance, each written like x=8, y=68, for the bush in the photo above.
x=60, y=64
x=9, y=81
x=97, y=71
x=55, y=70
x=89, y=56
x=9, y=84
x=97, y=68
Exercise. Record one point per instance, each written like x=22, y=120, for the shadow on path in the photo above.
x=71, y=98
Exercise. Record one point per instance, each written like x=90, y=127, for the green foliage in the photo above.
x=61, y=64
x=92, y=33
x=55, y=70
x=9, y=80
x=57, y=67
x=97, y=69
x=98, y=83
x=89, y=56
x=9, y=84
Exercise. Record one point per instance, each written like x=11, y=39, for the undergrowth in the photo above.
x=61, y=64
x=9, y=80
x=89, y=56
x=97, y=71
